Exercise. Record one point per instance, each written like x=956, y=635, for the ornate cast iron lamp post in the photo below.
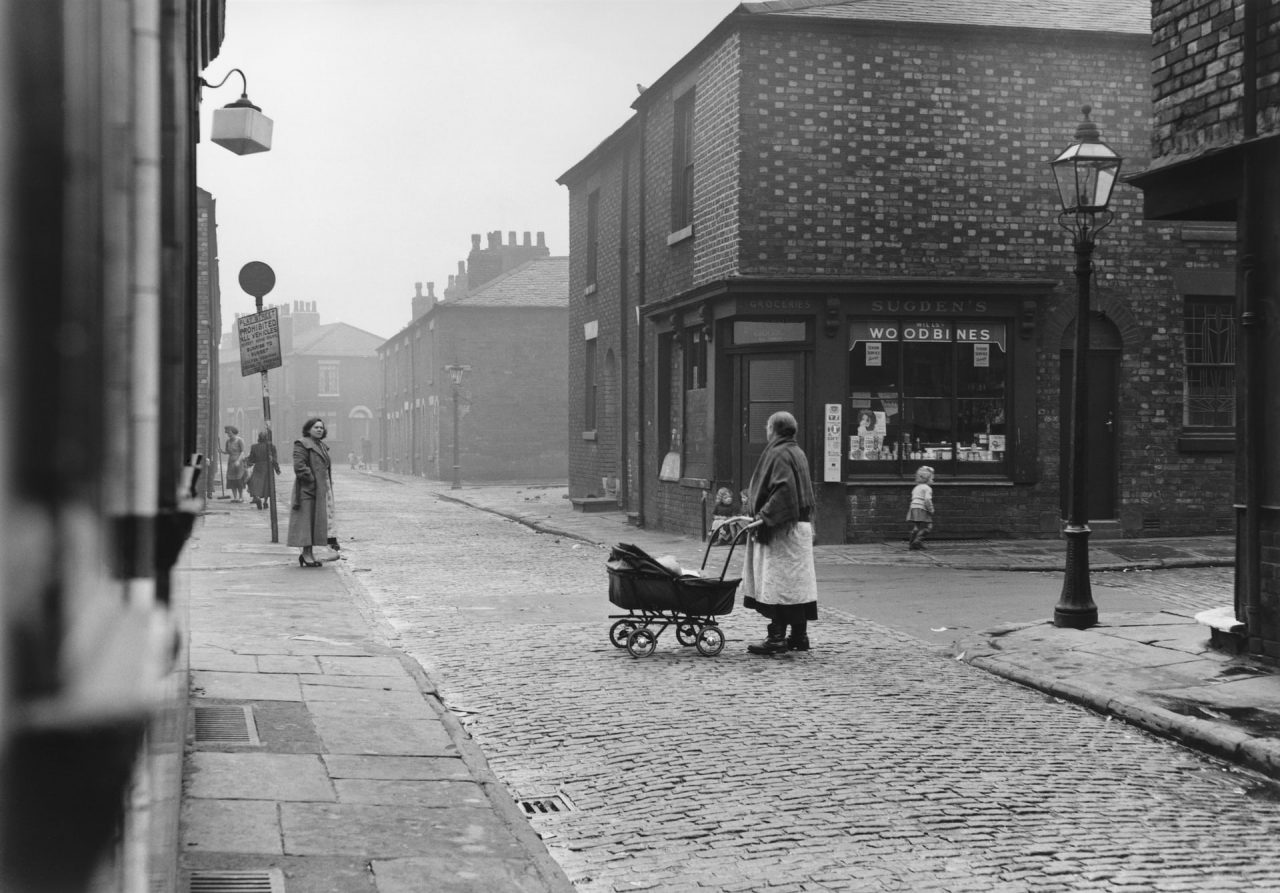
x=1086, y=171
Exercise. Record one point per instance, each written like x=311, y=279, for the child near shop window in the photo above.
x=920, y=514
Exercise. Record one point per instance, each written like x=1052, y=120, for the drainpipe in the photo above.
x=413, y=403
x=141, y=490
x=642, y=203
x=1253, y=431
x=624, y=261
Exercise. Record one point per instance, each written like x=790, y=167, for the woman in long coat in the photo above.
x=236, y=473
x=778, y=574
x=262, y=464
x=311, y=510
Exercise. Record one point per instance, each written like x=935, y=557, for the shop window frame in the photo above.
x=957, y=462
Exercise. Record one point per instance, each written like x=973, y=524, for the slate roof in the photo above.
x=336, y=339
x=541, y=282
x=1120, y=16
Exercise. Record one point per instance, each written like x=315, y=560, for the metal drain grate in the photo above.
x=269, y=881
x=556, y=804
x=226, y=725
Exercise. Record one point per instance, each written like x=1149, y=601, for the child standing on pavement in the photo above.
x=921, y=512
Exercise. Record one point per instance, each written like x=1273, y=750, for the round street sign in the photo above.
x=256, y=278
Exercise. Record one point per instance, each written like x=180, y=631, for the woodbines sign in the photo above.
x=260, y=342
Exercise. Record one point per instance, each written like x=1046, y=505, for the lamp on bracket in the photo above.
x=240, y=126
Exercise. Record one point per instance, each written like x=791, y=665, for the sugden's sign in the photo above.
x=260, y=342
x=937, y=331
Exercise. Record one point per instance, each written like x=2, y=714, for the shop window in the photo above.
x=696, y=418
x=928, y=393
x=1209, y=353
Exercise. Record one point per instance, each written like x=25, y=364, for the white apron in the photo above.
x=781, y=572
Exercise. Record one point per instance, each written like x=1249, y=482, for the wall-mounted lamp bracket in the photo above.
x=240, y=126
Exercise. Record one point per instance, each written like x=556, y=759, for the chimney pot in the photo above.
x=418, y=288
x=528, y=241
x=495, y=238
x=511, y=238
x=475, y=241
x=542, y=240
x=431, y=290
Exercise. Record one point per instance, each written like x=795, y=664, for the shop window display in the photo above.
x=932, y=391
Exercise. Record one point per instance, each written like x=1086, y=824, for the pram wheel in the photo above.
x=642, y=642
x=620, y=632
x=710, y=641
x=687, y=632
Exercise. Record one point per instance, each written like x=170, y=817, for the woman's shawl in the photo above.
x=781, y=490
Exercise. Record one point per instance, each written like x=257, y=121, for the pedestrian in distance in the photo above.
x=311, y=511
x=261, y=462
x=778, y=575
x=920, y=514
x=237, y=475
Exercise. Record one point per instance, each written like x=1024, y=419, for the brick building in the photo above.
x=503, y=317
x=845, y=210
x=330, y=370
x=208, y=335
x=1215, y=155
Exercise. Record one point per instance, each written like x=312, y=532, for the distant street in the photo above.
x=876, y=762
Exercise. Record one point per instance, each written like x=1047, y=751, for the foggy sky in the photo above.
x=404, y=126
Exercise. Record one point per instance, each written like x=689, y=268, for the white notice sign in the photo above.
x=831, y=443
x=260, y=342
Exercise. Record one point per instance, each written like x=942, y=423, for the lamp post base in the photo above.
x=1075, y=608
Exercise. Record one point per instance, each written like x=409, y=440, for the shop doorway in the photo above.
x=1103, y=427
x=765, y=383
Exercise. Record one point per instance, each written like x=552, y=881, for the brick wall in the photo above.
x=512, y=401
x=1196, y=74
x=865, y=153
x=598, y=453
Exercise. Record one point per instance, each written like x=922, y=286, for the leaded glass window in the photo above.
x=1209, y=353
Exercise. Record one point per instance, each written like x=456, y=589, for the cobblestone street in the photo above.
x=875, y=762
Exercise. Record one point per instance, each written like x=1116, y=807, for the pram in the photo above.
x=656, y=596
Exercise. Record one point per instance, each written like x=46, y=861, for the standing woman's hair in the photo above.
x=782, y=424
x=306, y=426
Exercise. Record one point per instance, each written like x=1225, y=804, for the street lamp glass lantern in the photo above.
x=1086, y=171
x=455, y=373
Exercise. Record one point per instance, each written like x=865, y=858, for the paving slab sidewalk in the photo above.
x=349, y=776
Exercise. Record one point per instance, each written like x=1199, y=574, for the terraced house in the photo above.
x=844, y=209
x=1215, y=155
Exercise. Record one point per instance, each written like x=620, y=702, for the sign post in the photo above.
x=260, y=352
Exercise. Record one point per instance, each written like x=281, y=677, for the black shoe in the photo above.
x=800, y=644
x=769, y=646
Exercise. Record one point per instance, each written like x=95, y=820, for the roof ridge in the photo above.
x=504, y=276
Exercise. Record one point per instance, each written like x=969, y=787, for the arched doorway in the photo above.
x=1102, y=431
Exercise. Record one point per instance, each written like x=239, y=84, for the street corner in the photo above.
x=996, y=640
